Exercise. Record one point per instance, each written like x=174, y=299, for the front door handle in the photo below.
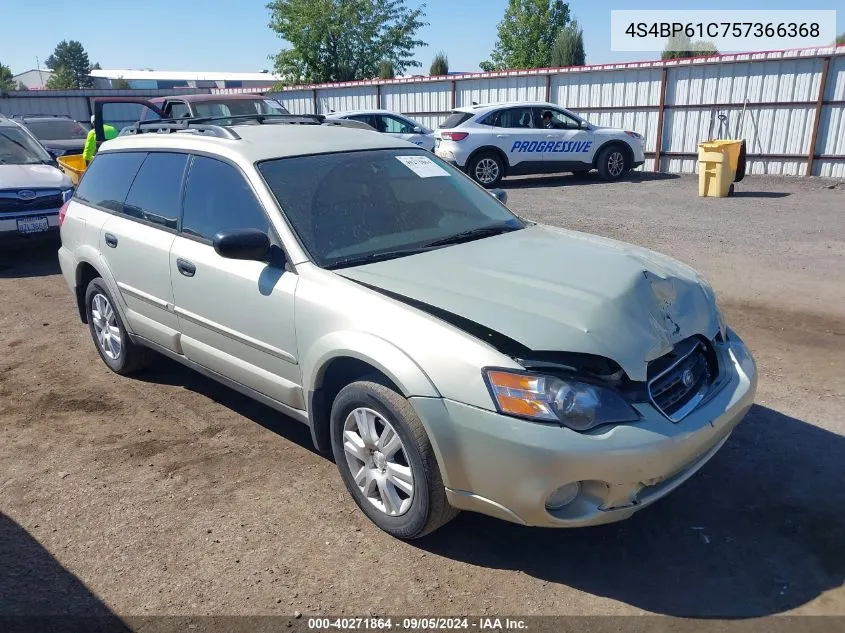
x=111, y=240
x=185, y=267
x=502, y=135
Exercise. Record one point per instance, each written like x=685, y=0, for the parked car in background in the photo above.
x=492, y=141
x=449, y=353
x=396, y=125
x=32, y=188
x=60, y=134
x=211, y=105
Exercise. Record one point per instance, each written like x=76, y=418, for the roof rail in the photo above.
x=219, y=126
x=41, y=115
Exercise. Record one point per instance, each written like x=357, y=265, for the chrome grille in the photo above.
x=679, y=387
x=44, y=199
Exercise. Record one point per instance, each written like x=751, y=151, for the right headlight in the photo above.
x=578, y=405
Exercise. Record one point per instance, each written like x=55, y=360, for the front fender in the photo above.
x=406, y=374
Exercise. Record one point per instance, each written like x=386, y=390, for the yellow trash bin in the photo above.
x=717, y=165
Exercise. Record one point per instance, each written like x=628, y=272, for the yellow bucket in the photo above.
x=74, y=166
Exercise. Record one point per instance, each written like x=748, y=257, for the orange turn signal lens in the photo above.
x=520, y=394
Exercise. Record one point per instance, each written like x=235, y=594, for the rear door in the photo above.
x=236, y=316
x=135, y=199
x=517, y=132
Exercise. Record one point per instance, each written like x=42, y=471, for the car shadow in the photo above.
x=165, y=371
x=758, y=531
x=591, y=178
x=39, y=593
x=761, y=194
x=29, y=259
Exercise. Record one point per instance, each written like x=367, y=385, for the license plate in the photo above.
x=33, y=225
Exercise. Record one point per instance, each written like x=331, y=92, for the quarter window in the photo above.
x=157, y=190
x=218, y=198
x=108, y=178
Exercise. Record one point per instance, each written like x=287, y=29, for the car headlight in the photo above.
x=67, y=194
x=635, y=135
x=578, y=405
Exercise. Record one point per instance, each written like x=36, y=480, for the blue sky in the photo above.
x=233, y=36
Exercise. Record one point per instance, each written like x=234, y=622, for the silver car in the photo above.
x=450, y=354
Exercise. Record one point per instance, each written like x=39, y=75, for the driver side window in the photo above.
x=562, y=121
x=177, y=110
x=392, y=125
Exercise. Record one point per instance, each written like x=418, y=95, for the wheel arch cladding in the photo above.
x=490, y=149
x=341, y=364
x=85, y=272
x=626, y=150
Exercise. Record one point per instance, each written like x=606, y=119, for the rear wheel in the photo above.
x=487, y=169
x=386, y=460
x=109, y=334
x=612, y=163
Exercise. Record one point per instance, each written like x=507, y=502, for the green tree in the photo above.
x=120, y=84
x=439, y=65
x=568, y=49
x=681, y=46
x=71, y=56
x=343, y=40
x=385, y=70
x=527, y=33
x=62, y=79
x=841, y=39
x=7, y=82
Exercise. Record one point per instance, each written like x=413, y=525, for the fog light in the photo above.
x=563, y=496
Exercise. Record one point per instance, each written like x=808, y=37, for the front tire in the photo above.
x=386, y=460
x=612, y=163
x=109, y=334
x=487, y=169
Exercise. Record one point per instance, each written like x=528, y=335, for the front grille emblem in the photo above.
x=26, y=194
x=688, y=378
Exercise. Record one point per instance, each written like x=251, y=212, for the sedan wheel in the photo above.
x=615, y=164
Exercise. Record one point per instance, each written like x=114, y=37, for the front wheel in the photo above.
x=487, y=169
x=612, y=163
x=386, y=460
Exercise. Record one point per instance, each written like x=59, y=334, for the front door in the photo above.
x=236, y=317
x=569, y=144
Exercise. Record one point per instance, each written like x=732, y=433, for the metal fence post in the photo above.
x=658, y=143
x=819, y=109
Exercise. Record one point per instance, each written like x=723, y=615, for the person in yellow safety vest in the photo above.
x=91, y=140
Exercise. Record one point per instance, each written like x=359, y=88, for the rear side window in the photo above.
x=455, y=119
x=218, y=198
x=512, y=118
x=157, y=191
x=107, y=180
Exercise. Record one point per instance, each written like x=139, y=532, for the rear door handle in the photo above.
x=185, y=267
x=502, y=135
x=111, y=240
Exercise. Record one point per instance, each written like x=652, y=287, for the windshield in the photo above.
x=234, y=107
x=19, y=148
x=56, y=129
x=347, y=207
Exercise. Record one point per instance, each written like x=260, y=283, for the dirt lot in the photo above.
x=167, y=493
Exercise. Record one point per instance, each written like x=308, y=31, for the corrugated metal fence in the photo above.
x=788, y=105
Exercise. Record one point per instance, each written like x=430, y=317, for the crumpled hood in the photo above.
x=33, y=177
x=552, y=289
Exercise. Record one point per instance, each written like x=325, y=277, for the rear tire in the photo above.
x=486, y=168
x=612, y=163
x=418, y=505
x=119, y=353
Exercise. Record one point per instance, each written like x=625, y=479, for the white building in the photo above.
x=152, y=79
x=33, y=79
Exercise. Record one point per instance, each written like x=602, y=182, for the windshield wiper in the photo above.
x=473, y=234
x=370, y=258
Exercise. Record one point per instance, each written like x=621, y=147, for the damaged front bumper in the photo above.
x=508, y=468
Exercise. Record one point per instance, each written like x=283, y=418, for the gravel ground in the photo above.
x=169, y=494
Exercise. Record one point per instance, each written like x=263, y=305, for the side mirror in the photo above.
x=500, y=194
x=249, y=244
x=417, y=129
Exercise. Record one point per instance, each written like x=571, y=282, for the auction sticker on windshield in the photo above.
x=422, y=166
